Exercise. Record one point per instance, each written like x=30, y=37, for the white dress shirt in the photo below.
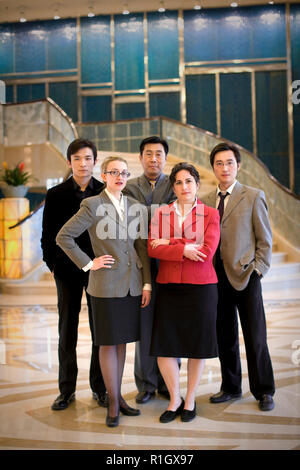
x=182, y=217
x=228, y=190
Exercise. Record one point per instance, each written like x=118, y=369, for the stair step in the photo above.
x=279, y=282
x=284, y=269
x=30, y=288
x=279, y=257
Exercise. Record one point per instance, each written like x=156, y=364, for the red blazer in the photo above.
x=202, y=226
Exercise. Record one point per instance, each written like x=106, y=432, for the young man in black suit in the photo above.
x=62, y=202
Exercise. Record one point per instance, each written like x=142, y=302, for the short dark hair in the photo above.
x=223, y=146
x=184, y=166
x=154, y=139
x=78, y=144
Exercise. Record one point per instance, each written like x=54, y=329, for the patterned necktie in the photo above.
x=152, y=182
x=221, y=205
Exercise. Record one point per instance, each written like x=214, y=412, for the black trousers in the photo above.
x=249, y=304
x=69, y=294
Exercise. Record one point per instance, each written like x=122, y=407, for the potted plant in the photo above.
x=13, y=181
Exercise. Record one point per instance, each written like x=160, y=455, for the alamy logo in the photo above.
x=296, y=93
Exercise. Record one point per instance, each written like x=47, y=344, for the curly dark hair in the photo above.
x=184, y=166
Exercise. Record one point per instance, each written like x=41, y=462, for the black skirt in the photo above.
x=185, y=321
x=116, y=320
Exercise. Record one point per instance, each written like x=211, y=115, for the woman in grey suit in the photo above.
x=120, y=279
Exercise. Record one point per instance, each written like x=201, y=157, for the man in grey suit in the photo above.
x=151, y=188
x=243, y=258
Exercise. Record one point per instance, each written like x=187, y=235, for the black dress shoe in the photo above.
x=221, y=397
x=164, y=393
x=143, y=397
x=169, y=415
x=266, y=403
x=62, y=401
x=128, y=411
x=101, y=398
x=188, y=415
x=112, y=421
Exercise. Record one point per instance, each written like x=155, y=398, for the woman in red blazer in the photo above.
x=184, y=237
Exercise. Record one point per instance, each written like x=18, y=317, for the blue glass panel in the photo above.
x=239, y=33
x=65, y=95
x=129, y=52
x=61, y=44
x=295, y=48
x=165, y=104
x=30, y=46
x=130, y=110
x=272, y=122
x=7, y=37
x=9, y=93
x=163, y=45
x=95, y=49
x=236, y=108
x=201, y=101
x=35, y=91
x=96, y=108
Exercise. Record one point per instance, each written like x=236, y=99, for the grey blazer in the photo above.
x=125, y=241
x=140, y=189
x=246, y=235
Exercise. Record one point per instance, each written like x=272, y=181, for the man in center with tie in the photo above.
x=242, y=259
x=153, y=187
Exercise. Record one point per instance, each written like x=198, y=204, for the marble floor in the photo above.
x=28, y=386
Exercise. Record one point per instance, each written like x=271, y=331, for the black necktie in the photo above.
x=221, y=205
x=219, y=263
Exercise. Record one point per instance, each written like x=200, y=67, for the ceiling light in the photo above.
x=234, y=4
x=197, y=7
x=91, y=10
x=161, y=8
x=56, y=8
x=22, y=15
x=125, y=9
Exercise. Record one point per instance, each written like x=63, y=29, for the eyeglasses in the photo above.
x=116, y=173
x=222, y=164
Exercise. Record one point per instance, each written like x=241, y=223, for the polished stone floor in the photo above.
x=28, y=385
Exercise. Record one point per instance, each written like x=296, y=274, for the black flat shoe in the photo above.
x=62, y=401
x=112, y=421
x=169, y=415
x=188, y=415
x=128, y=411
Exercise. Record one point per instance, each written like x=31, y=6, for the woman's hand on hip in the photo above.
x=146, y=296
x=104, y=261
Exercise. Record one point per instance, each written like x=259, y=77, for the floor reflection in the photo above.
x=28, y=385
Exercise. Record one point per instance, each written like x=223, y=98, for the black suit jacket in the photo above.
x=61, y=204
